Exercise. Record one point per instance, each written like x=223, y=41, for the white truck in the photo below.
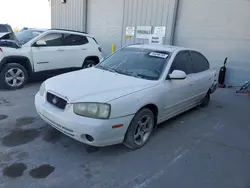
x=33, y=51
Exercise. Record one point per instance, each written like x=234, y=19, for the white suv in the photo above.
x=34, y=51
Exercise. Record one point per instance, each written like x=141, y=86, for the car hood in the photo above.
x=95, y=85
x=11, y=42
x=3, y=34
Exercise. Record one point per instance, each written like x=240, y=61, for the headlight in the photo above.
x=42, y=89
x=92, y=110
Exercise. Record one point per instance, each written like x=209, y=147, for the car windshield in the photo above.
x=26, y=35
x=140, y=63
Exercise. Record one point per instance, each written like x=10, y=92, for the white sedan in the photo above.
x=124, y=97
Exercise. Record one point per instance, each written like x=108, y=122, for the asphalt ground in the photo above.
x=206, y=147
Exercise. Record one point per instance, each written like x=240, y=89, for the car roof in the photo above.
x=72, y=31
x=69, y=30
x=34, y=29
x=167, y=48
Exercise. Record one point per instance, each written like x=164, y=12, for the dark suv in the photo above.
x=5, y=28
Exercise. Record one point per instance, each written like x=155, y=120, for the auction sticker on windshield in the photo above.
x=156, y=54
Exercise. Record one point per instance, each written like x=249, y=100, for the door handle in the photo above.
x=83, y=49
x=191, y=84
x=60, y=50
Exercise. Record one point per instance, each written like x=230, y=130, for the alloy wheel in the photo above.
x=14, y=77
x=143, y=130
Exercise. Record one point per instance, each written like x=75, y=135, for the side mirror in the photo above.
x=177, y=75
x=41, y=43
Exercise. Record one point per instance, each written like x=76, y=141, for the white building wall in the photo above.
x=148, y=13
x=218, y=28
x=109, y=26
x=71, y=15
x=104, y=21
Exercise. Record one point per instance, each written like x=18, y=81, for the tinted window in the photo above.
x=200, y=63
x=53, y=39
x=182, y=62
x=142, y=63
x=74, y=40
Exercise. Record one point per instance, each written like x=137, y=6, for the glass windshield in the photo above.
x=26, y=35
x=141, y=63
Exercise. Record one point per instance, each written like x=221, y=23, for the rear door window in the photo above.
x=200, y=63
x=182, y=62
x=74, y=40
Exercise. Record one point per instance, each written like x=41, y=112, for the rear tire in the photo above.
x=205, y=101
x=13, y=76
x=140, y=129
x=88, y=64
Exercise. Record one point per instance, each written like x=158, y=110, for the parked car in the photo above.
x=123, y=98
x=33, y=51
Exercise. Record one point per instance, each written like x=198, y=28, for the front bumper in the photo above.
x=77, y=127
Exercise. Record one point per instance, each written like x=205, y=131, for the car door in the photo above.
x=76, y=47
x=202, y=77
x=49, y=56
x=178, y=93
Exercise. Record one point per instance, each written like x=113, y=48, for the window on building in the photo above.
x=53, y=39
x=182, y=62
x=200, y=63
x=74, y=40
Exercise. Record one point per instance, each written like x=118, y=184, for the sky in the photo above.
x=25, y=13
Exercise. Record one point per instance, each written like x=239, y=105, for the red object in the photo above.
x=117, y=126
x=221, y=85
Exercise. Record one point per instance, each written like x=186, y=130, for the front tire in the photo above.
x=88, y=64
x=140, y=129
x=13, y=76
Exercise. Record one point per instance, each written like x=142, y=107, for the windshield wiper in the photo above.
x=129, y=73
x=106, y=68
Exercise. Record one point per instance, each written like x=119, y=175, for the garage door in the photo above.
x=219, y=28
x=104, y=21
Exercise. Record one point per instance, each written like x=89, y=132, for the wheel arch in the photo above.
x=154, y=109
x=93, y=58
x=22, y=60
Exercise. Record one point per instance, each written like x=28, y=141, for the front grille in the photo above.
x=56, y=101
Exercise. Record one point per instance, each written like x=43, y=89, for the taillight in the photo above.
x=1, y=50
x=100, y=49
